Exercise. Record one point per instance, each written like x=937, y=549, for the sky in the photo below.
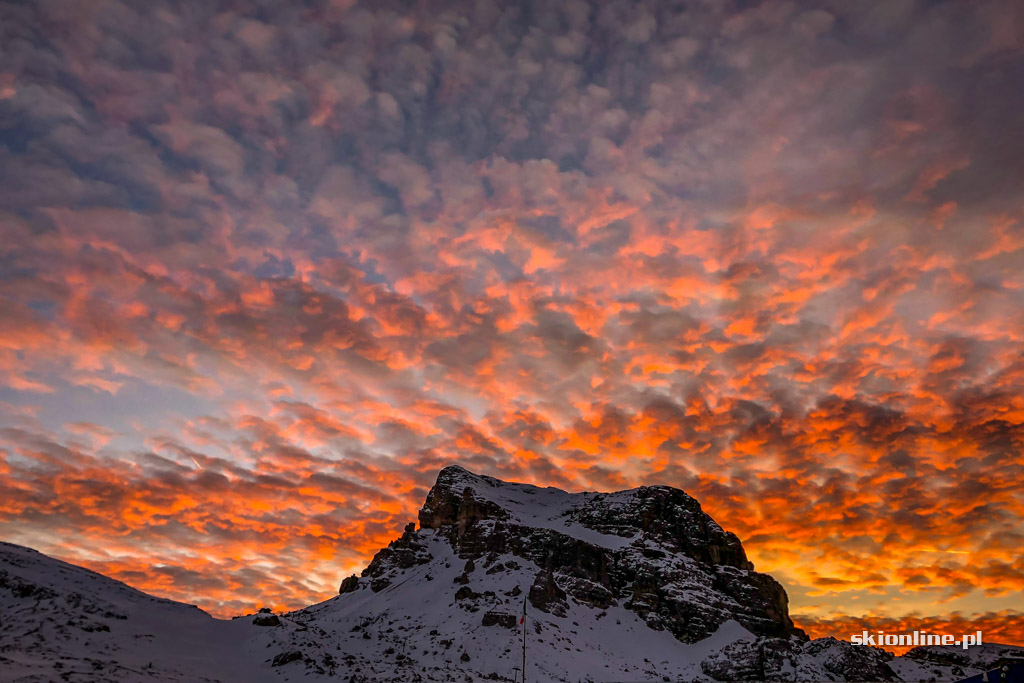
x=266, y=267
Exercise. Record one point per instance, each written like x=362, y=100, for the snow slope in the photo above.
x=62, y=622
x=547, y=508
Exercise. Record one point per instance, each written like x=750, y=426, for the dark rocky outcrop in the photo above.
x=503, y=619
x=984, y=657
x=680, y=571
x=447, y=506
x=672, y=518
x=775, y=659
x=851, y=661
x=465, y=593
x=266, y=618
x=287, y=658
x=583, y=589
x=546, y=595
x=402, y=553
x=349, y=584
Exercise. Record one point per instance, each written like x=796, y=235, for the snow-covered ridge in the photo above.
x=63, y=622
x=27, y=567
x=537, y=507
x=608, y=520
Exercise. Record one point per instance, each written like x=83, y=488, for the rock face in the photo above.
x=936, y=662
x=545, y=594
x=774, y=659
x=652, y=549
x=266, y=620
x=402, y=553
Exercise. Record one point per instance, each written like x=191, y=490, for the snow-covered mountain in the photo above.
x=59, y=622
x=638, y=585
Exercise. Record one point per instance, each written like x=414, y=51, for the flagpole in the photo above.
x=524, y=638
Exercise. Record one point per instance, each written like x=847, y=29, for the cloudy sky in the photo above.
x=266, y=266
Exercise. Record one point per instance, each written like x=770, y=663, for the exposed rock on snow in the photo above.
x=949, y=662
x=652, y=549
x=349, y=584
x=773, y=659
x=266, y=618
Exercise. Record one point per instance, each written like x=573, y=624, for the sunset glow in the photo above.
x=264, y=272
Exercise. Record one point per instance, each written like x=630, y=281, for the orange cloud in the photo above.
x=249, y=305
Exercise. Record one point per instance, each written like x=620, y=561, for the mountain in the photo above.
x=637, y=585
x=62, y=622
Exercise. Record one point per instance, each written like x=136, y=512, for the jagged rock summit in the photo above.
x=638, y=585
x=651, y=550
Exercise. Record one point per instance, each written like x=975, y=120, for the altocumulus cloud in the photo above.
x=266, y=267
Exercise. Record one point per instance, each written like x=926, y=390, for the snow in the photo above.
x=416, y=617
x=60, y=621
x=545, y=508
x=167, y=641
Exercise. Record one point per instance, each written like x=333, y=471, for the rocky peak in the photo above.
x=402, y=553
x=652, y=550
x=669, y=516
x=454, y=500
x=663, y=514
